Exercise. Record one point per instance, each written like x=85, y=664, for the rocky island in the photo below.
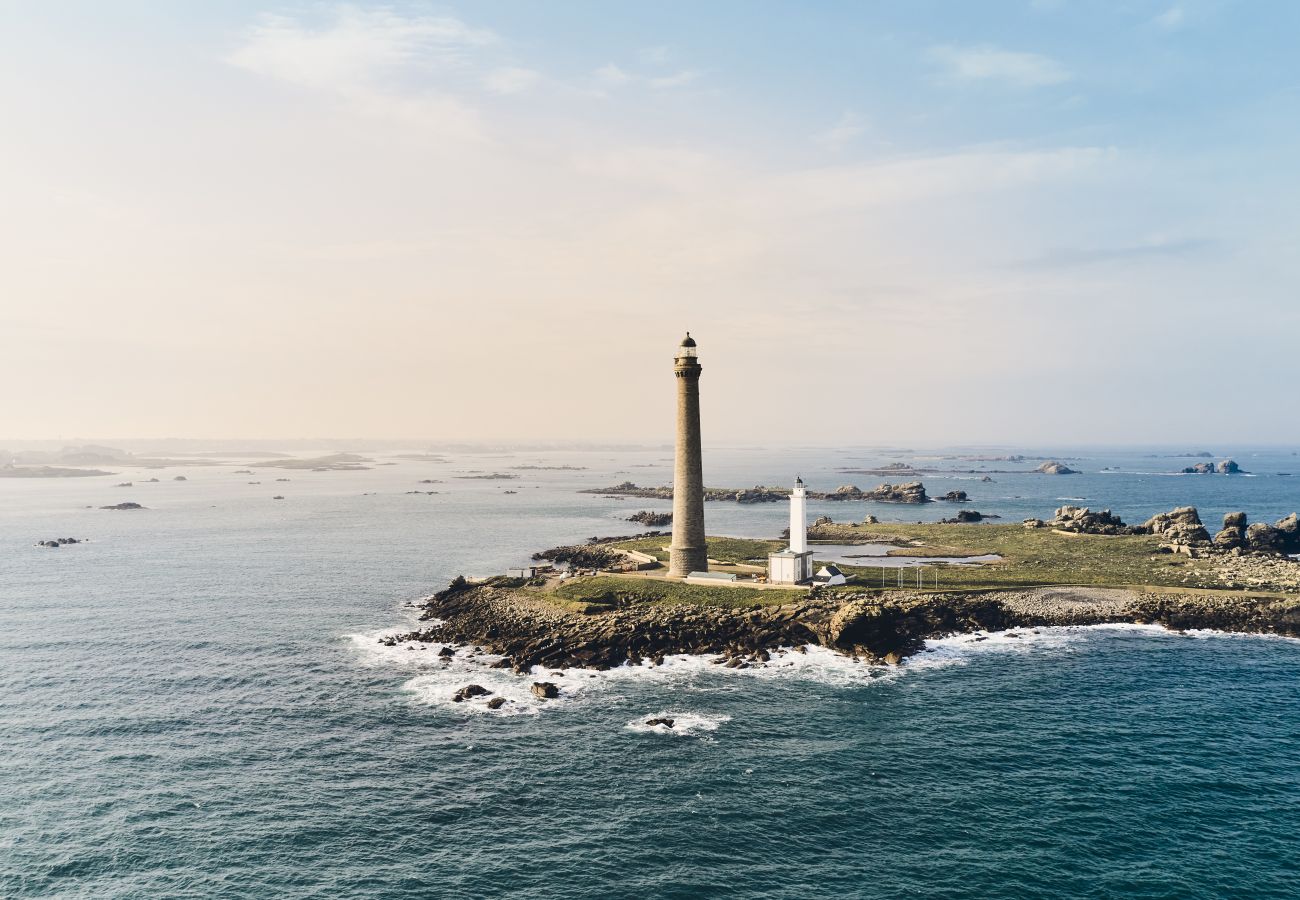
x=1079, y=568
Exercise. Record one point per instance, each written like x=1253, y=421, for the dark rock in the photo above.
x=180, y=478
x=446, y=652
x=496, y=703
x=127, y=505
x=470, y=690
x=661, y=720
x=955, y=497
x=652, y=519
x=967, y=517
x=870, y=520
x=545, y=690
x=1199, y=469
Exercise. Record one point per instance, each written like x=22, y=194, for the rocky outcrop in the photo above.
x=58, y=542
x=1053, y=467
x=545, y=690
x=1082, y=520
x=1233, y=534
x=1279, y=539
x=955, y=497
x=967, y=517
x=651, y=519
x=127, y=505
x=660, y=720
x=907, y=492
x=1181, y=526
x=757, y=494
x=1223, y=467
x=583, y=556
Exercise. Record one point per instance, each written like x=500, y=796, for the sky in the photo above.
x=1033, y=221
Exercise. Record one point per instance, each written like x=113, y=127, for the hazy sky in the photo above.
x=950, y=222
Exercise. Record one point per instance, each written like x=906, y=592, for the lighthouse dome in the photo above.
x=688, y=341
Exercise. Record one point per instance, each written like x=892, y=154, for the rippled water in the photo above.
x=193, y=704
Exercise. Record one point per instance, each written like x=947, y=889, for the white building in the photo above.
x=829, y=575
x=794, y=564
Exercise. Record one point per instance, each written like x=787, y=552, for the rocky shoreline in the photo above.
x=523, y=626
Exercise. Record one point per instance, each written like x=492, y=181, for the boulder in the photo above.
x=496, y=703
x=1234, y=520
x=545, y=690
x=966, y=517
x=1199, y=469
x=1178, y=526
x=1053, y=467
x=1262, y=538
x=1227, y=467
x=955, y=497
x=660, y=720
x=1082, y=520
x=1288, y=530
x=870, y=520
x=1034, y=523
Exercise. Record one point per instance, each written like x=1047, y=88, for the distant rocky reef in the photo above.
x=651, y=519
x=1223, y=467
x=909, y=492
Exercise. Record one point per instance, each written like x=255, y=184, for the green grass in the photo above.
x=723, y=549
x=1031, y=557
x=604, y=591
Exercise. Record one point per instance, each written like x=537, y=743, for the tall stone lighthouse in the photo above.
x=688, y=552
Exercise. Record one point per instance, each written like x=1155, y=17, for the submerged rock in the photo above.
x=127, y=505
x=661, y=720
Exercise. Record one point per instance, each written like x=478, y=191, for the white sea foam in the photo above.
x=684, y=723
x=439, y=678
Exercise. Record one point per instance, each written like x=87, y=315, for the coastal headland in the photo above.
x=615, y=605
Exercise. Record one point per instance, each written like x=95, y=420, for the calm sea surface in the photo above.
x=193, y=704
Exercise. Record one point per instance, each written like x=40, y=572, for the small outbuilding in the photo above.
x=829, y=575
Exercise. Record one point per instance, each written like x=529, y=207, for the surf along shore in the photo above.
x=1042, y=576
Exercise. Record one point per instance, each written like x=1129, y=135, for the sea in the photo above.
x=194, y=703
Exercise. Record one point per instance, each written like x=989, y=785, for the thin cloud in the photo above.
x=354, y=46
x=511, y=80
x=1171, y=18
x=986, y=62
x=680, y=79
x=849, y=127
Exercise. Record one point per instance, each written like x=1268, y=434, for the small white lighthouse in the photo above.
x=794, y=565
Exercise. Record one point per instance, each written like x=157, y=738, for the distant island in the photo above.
x=49, y=472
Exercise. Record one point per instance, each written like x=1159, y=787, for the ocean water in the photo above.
x=194, y=704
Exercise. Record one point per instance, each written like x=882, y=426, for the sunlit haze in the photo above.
x=1040, y=222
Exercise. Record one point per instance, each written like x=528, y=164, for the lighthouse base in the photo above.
x=788, y=567
x=682, y=561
